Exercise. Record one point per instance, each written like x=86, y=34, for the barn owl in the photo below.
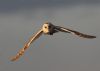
x=49, y=29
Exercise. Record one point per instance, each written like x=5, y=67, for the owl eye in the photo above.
x=45, y=27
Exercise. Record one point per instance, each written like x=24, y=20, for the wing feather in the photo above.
x=62, y=29
x=21, y=52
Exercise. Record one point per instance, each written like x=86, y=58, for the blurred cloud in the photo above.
x=7, y=6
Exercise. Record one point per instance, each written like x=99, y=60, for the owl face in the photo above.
x=47, y=28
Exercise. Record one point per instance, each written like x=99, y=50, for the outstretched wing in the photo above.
x=20, y=53
x=62, y=29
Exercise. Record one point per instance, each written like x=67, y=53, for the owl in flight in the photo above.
x=49, y=29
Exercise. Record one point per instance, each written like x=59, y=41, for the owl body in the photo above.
x=49, y=29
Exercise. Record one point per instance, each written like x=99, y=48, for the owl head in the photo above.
x=47, y=27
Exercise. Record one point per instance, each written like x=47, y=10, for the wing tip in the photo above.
x=87, y=36
x=13, y=59
x=92, y=37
